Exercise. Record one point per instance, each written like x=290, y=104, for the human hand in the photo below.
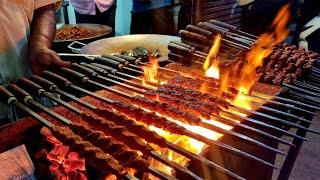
x=42, y=58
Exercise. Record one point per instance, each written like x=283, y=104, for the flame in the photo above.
x=261, y=49
x=218, y=124
x=224, y=83
x=241, y=100
x=203, y=88
x=185, y=142
x=211, y=65
x=213, y=71
x=151, y=71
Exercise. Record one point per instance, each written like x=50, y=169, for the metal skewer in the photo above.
x=92, y=74
x=155, y=155
x=291, y=102
x=89, y=73
x=51, y=86
x=283, y=104
x=282, y=113
x=58, y=80
x=275, y=119
x=29, y=100
x=262, y=124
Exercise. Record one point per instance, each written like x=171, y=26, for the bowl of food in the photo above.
x=79, y=32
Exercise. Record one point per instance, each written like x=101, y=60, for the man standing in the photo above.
x=152, y=17
x=26, y=32
x=96, y=11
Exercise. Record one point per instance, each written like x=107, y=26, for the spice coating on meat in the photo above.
x=133, y=127
x=119, y=133
x=150, y=118
x=166, y=109
x=127, y=158
x=191, y=87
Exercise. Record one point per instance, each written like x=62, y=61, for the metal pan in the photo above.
x=124, y=43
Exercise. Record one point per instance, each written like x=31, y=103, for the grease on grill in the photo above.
x=73, y=33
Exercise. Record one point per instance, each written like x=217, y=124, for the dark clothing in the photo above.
x=107, y=18
x=261, y=15
x=140, y=6
x=186, y=14
x=155, y=21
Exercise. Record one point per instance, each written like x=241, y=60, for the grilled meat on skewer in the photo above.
x=127, y=158
x=132, y=126
x=149, y=118
x=120, y=133
x=193, y=107
x=165, y=109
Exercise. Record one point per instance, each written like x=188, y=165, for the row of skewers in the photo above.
x=285, y=65
x=117, y=118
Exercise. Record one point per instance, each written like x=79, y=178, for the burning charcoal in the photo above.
x=74, y=165
x=60, y=151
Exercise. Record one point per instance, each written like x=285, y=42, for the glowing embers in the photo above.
x=65, y=164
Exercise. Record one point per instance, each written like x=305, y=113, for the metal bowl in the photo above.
x=97, y=29
x=152, y=42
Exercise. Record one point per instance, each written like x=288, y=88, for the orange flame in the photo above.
x=224, y=83
x=213, y=71
x=151, y=71
x=261, y=49
x=211, y=65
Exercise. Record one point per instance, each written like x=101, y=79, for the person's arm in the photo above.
x=43, y=30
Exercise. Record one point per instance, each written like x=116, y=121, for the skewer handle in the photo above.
x=44, y=83
x=183, y=45
x=6, y=96
x=117, y=59
x=83, y=69
x=19, y=93
x=107, y=68
x=95, y=68
x=129, y=58
x=212, y=28
x=73, y=75
x=27, y=84
x=199, y=30
x=56, y=78
x=198, y=38
x=224, y=25
x=108, y=62
x=179, y=49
